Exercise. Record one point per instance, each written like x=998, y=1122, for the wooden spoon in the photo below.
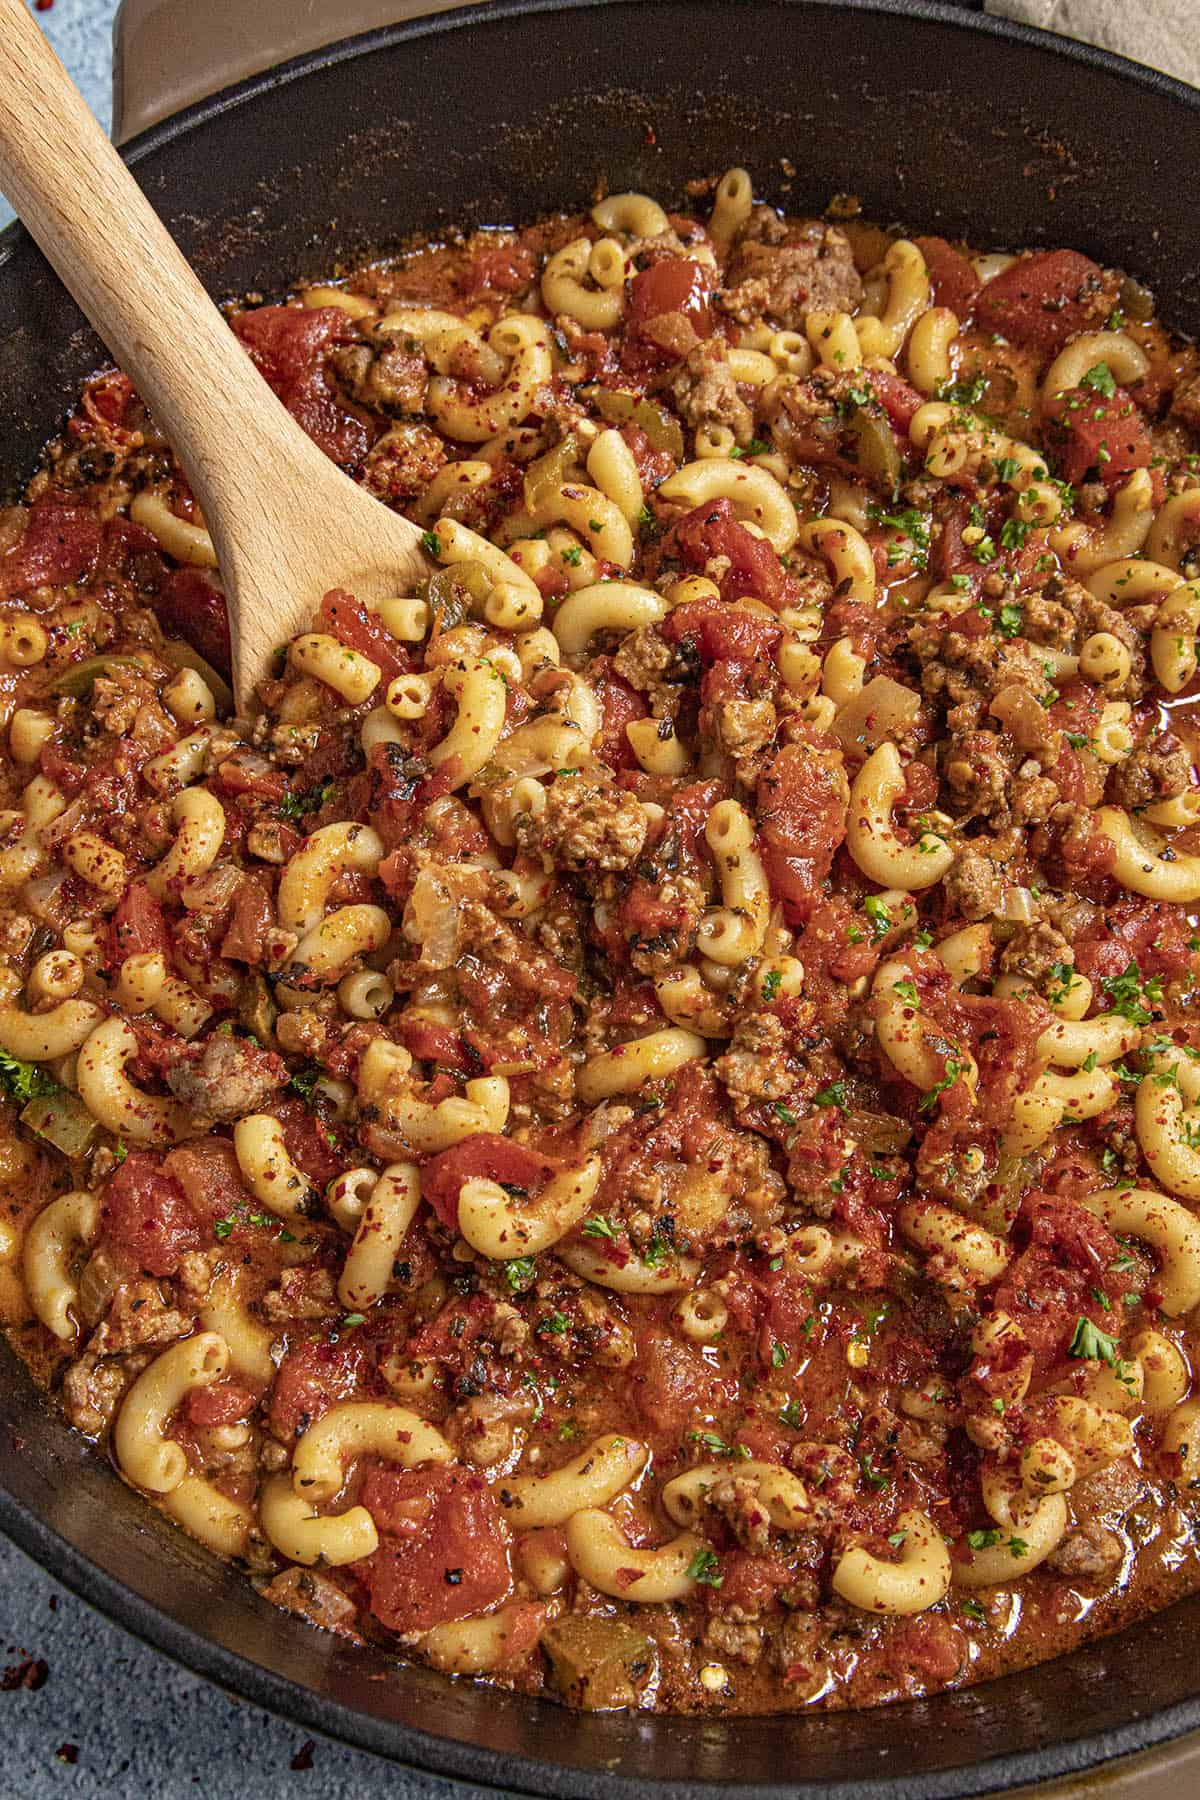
x=286, y=524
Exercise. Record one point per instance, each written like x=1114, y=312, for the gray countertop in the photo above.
x=104, y=1717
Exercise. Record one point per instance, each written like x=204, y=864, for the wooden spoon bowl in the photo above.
x=286, y=523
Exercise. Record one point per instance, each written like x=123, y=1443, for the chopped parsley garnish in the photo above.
x=907, y=991
x=973, y=1610
x=555, y=1323
x=953, y=1071
x=791, y=1415
x=1063, y=975
x=833, y=1095
x=871, y=1475
x=771, y=983
x=897, y=1539
x=1099, y=378
x=877, y=912
x=705, y=1568
x=295, y=806
x=782, y=1112
x=656, y=1252
x=24, y=1081
x=911, y=528
x=1009, y=618
x=1132, y=997
x=223, y=1228
x=1013, y=534
x=1094, y=1345
x=573, y=556
x=519, y=1272
x=429, y=542
x=984, y=1540
x=598, y=1228
x=304, y=1081
x=527, y=1381
x=963, y=392
x=779, y=1356
x=352, y=1319
x=716, y=1445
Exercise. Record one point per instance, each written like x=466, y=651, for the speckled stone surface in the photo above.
x=137, y=1725
x=139, y=1728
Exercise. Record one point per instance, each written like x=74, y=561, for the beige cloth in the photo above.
x=1160, y=33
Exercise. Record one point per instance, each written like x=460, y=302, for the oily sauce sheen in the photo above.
x=633, y=1133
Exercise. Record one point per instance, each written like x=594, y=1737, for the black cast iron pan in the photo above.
x=969, y=128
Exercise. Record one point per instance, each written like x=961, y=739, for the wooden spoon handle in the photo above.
x=112, y=251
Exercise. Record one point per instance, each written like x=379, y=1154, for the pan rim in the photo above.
x=455, y=1757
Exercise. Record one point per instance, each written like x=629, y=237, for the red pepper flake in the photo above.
x=33, y=1674
x=651, y=136
x=66, y=1753
x=42, y=5
x=303, y=1758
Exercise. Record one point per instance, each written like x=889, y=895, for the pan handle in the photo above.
x=168, y=53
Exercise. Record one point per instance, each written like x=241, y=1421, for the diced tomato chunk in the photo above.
x=223, y=1403
x=210, y=1176
x=189, y=607
x=653, y=466
x=313, y=1376
x=898, y=399
x=1105, y=435
x=148, y=1215
x=430, y=1042
x=310, y=1143
x=715, y=531
x=129, y=552
x=1065, y=1273
x=60, y=544
x=250, y=921
x=66, y=774
x=620, y=705
x=802, y=820
x=675, y=284
x=485, y=1155
x=443, y=1547
x=138, y=926
x=722, y=633
x=502, y=269
x=246, y=772
x=749, y=1582
x=954, y=282
x=1152, y=934
x=1043, y=300
x=348, y=620
x=669, y=1384
x=289, y=346
x=931, y=1647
